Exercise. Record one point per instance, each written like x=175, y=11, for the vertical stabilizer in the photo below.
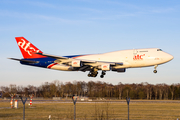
x=27, y=48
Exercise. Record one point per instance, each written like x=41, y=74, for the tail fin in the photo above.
x=27, y=48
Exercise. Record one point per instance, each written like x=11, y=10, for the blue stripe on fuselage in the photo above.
x=41, y=62
x=71, y=56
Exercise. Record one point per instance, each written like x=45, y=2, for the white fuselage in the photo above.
x=132, y=58
x=112, y=61
x=129, y=58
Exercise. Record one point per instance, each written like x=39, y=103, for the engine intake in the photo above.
x=76, y=63
x=105, y=67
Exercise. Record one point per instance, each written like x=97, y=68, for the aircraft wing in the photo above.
x=87, y=64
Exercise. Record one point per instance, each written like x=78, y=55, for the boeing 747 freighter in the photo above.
x=117, y=61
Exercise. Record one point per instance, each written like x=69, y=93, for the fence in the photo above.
x=105, y=110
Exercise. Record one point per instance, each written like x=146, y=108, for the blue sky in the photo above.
x=69, y=27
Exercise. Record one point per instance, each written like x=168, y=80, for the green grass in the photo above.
x=93, y=111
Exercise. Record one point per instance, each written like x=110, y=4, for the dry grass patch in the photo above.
x=93, y=111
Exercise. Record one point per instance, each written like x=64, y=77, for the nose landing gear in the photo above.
x=155, y=71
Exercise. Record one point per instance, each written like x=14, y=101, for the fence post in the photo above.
x=74, y=101
x=128, y=101
x=23, y=101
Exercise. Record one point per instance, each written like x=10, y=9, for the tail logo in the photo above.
x=27, y=47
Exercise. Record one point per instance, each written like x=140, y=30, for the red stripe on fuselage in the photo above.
x=52, y=65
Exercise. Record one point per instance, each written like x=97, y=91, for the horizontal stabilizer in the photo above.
x=28, y=61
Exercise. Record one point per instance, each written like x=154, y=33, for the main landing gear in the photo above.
x=102, y=74
x=155, y=71
x=94, y=73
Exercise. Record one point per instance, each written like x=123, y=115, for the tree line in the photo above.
x=96, y=89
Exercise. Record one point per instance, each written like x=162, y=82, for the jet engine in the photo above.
x=105, y=67
x=119, y=70
x=62, y=67
x=76, y=63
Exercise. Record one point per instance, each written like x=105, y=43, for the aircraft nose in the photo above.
x=167, y=57
x=170, y=57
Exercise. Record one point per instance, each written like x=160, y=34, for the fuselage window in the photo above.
x=143, y=51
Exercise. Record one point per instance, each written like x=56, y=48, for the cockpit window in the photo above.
x=159, y=49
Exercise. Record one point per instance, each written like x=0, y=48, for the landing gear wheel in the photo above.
x=92, y=74
x=102, y=76
x=103, y=73
x=95, y=74
x=155, y=71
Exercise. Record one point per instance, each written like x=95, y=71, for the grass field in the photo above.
x=93, y=111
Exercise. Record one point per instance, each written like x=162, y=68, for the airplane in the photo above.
x=117, y=61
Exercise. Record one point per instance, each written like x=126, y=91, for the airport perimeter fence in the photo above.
x=93, y=110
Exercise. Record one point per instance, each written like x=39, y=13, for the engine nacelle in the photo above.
x=76, y=63
x=119, y=70
x=105, y=67
x=62, y=67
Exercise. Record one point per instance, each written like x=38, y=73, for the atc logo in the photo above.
x=27, y=47
x=75, y=63
x=138, y=57
x=105, y=66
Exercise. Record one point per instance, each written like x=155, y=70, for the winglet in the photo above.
x=27, y=48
